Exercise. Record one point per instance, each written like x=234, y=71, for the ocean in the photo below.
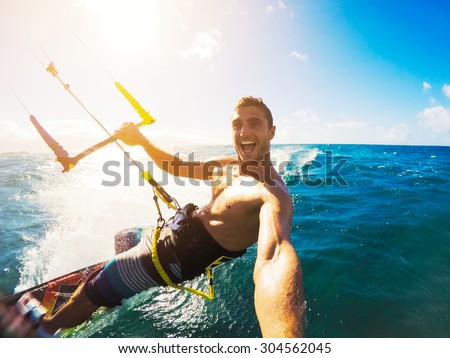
x=371, y=226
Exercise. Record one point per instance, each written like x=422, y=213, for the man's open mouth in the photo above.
x=247, y=146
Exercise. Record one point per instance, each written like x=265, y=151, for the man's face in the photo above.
x=251, y=133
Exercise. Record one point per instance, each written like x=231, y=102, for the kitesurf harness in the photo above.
x=156, y=235
x=192, y=246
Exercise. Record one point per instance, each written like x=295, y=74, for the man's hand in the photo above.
x=23, y=319
x=130, y=134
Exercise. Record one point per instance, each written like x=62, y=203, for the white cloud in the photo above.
x=446, y=90
x=279, y=6
x=10, y=129
x=299, y=56
x=435, y=118
x=346, y=125
x=232, y=7
x=205, y=46
x=426, y=86
x=17, y=138
x=395, y=134
x=307, y=116
x=288, y=134
x=296, y=134
x=303, y=127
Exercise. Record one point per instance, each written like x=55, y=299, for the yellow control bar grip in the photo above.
x=146, y=117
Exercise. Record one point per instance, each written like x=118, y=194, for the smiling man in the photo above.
x=250, y=204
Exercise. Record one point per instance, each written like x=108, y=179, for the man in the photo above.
x=249, y=204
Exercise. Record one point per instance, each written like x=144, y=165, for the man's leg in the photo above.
x=72, y=314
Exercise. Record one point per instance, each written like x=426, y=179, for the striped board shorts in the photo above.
x=132, y=271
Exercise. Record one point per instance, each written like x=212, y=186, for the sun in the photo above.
x=128, y=25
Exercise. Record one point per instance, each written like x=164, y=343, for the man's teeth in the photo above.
x=248, y=145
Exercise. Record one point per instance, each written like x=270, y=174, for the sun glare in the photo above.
x=128, y=25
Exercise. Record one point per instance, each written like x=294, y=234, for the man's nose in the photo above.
x=244, y=130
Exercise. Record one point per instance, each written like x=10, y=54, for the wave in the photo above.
x=293, y=157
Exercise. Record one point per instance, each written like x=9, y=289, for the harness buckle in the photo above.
x=161, y=222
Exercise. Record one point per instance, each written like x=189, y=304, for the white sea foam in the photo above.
x=283, y=156
x=307, y=157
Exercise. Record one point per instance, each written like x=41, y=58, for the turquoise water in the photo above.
x=371, y=227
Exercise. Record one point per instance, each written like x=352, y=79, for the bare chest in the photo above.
x=232, y=191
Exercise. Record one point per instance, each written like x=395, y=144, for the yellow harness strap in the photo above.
x=168, y=281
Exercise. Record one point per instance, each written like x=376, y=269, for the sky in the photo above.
x=355, y=71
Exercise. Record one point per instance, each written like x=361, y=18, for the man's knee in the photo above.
x=125, y=240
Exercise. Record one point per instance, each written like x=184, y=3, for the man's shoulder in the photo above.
x=277, y=193
x=277, y=203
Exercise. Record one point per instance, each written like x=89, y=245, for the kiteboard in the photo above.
x=55, y=293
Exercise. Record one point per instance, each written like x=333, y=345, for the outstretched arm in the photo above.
x=130, y=134
x=279, y=297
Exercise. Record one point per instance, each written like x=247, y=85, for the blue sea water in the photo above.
x=371, y=226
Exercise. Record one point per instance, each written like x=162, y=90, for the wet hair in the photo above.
x=256, y=102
